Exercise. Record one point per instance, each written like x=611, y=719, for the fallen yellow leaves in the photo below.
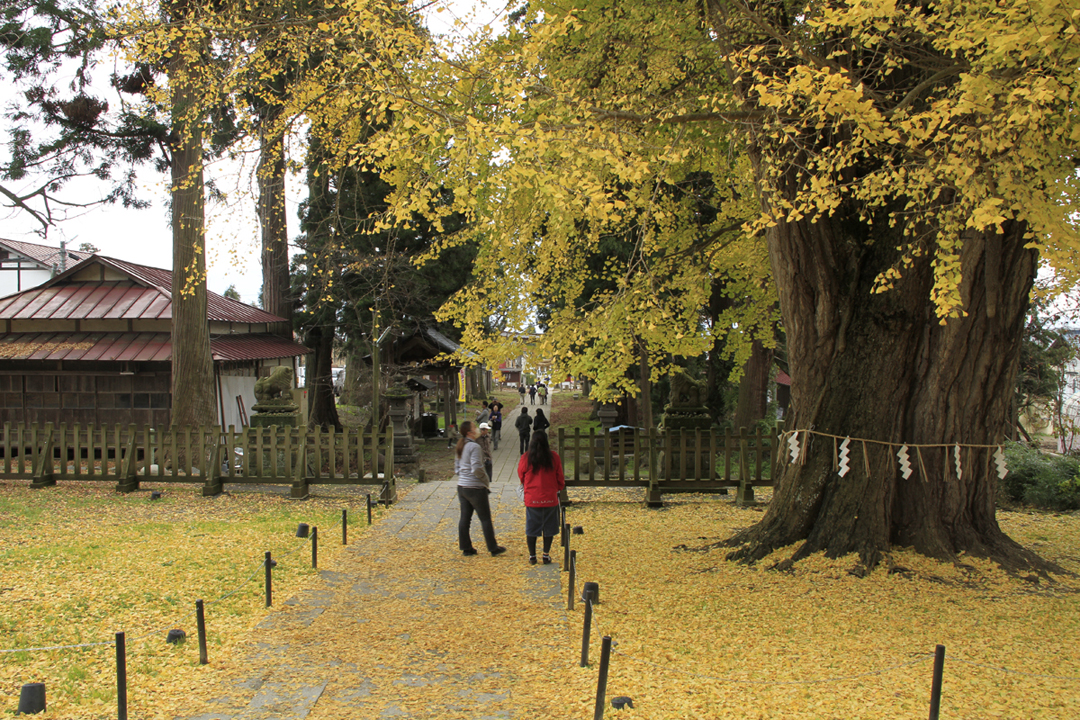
x=79, y=563
x=697, y=636
x=702, y=637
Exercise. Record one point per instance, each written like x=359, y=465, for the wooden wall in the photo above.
x=86, y=396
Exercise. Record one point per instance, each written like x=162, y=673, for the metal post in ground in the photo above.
x=601, y=682
x=566, y=547
x=369, y=509
x=935, y=687
x=344, y=526
x=314, y=548
x=269, y=582
x=121, y=677
x=586, y=631
x=200, y=624
x=570, y=583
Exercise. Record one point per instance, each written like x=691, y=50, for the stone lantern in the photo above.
x=398, y=396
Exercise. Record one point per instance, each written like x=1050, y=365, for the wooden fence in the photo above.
x=673, y=461
x=129, y=455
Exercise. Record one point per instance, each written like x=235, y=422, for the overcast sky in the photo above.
x=143, y=236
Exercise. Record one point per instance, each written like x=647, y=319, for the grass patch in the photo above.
x=79, y=563
x=569, y=414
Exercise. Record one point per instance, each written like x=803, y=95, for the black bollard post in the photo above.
x=601, y=682
x=200, y=623
x=586, y=631
x=31, y=699
x=935, y=687
x=566, y=547
x=344, y=526
x=314, y=548
x=121, y=677
x=570, y=584
x=369, y=509
x=269, y=582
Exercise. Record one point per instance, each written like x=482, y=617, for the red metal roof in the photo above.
x=254, y=347
x=147, y=295
x=43, y=254
x=138, y=347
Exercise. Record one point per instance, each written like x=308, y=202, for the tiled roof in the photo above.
x=137, y=347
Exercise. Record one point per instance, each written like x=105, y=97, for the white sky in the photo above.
x=143, y=236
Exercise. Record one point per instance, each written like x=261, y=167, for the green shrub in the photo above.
x=1047, y=481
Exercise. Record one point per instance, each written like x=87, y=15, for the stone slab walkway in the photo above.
x=405, y=626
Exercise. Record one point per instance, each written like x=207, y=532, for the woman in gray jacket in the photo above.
x=473, y=490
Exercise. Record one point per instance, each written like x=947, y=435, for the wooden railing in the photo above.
x=672, y=461
x=129, y=455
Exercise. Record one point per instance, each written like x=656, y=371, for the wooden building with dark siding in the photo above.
x=93, y=345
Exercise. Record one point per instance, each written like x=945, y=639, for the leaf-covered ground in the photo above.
x=79, y=563
x=701, y=637
x=697, y=636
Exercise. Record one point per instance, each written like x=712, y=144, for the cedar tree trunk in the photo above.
x=322, y=406
x=881, y=367
x=275, y=236
x=193, y=389
x=754, y=386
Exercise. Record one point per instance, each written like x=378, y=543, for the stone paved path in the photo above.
x=387, y=633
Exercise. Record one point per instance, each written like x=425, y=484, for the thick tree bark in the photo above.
x=322, y=406
x=881, y=368
x=193, y=390
x=754, y=386
x=275, y=236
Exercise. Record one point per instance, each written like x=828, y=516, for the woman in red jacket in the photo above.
x=541, y=474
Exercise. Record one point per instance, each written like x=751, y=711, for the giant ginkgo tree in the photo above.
x=910, y=161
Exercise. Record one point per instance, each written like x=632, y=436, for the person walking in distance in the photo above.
x=473, y=488
x=532, y=394
x=521, y=393
x=524, y=427
x=541, y=473
x=542, y=391
x=540, y=422
x=496, y=425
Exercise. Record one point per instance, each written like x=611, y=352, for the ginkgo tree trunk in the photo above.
x=910, y=169
x=881, y=369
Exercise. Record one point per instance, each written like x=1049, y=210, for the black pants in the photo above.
x=523, y=442
x=475, y=499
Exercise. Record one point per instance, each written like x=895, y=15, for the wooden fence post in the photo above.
x=213, y=485
x=125, y=466
x=389, y=488
x=745, y=494
x=299, y=489
x=43, y=462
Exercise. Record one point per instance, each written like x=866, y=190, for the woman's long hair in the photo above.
x=465, y=429
x=539, y=453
